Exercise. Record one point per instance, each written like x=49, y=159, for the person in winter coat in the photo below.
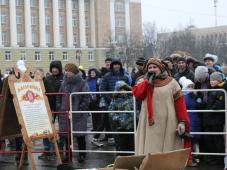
x=106, y=69
x=195, y=123
x=52, y=84
x=183, y=70
x=122, y=121
x=93, y=84
x=73, y=82
x=172, y=68
x=83, y=72
x=139, y=64
x=108, y=82
x=163, y=111
x=210, y=61
x=202, y=81
x=93, y=81
x=213, y=121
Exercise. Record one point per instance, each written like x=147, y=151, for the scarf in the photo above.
x=144, y=89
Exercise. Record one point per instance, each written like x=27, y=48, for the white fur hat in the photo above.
x=212, y=57
x=185, y=83
x=21, y=66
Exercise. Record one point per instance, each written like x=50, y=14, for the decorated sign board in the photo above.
x=33, y=111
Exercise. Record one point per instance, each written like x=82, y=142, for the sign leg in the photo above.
x=22, y=157
x=57, y=150
x=31, y=158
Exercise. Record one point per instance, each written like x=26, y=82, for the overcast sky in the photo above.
x=171, y=14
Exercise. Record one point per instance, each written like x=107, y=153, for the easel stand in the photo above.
x=33, y=113
x=29, y=147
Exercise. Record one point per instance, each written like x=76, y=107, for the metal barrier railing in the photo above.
x=134, y=110
x=66, y=113
x=67, y=132
x=217, y=111
x=106, y=112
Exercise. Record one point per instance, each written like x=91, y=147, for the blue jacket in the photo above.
x=191, y=104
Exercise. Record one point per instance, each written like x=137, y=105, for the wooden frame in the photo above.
x=19, y=83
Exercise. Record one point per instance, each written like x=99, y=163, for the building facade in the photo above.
x=210, y=33
x=40, y=31
x=197, y=41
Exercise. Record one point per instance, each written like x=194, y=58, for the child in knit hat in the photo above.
x=122, y=121
x=213, y=121
x=195, y=123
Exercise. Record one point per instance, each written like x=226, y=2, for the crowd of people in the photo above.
x=162, y=118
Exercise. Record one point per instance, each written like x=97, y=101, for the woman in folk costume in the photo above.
x=163, y=111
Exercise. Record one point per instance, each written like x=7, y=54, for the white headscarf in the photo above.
x=21, y=66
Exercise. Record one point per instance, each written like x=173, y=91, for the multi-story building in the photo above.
x=201, y=34
x=197, y=41
x=39, y=31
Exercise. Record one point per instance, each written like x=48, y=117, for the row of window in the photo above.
x=20, y=38
x=51, y=55
x=213, y=37
x=119, y=21
x=47, y=3
x=19, y=20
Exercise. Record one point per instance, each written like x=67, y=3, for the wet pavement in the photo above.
x=93, y=160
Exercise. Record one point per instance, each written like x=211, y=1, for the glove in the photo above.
x=181, y=129
x=199, y=100
x=150, y=76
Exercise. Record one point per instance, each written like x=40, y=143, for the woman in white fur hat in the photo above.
x=210, y=61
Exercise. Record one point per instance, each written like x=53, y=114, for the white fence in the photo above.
x=134, y=115
x=103, y=111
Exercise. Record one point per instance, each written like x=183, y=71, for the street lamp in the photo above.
x=78, y=55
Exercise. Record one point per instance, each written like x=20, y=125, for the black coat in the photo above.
x=103, y=71
x=216, y=101
x=136, y=76
x=187, y=73
x=52, y=84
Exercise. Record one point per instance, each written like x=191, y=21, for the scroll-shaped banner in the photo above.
x=33, y=108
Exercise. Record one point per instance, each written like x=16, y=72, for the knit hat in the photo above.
x=57, y=64
x=212, y=57
x=115, y=61
x=21, y=66
x=157, y=62
x=72, y=68
x=184, y=82
x=217, y=76
x=140, y=61
x=201, y=74
x=119, y=85
x=181, y=59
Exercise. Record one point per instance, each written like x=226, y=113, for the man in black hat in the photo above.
x=117, y=73
x=183, y=70
x=139, y=64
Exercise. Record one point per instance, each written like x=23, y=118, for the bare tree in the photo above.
x=149, y=39
x=183, y=40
